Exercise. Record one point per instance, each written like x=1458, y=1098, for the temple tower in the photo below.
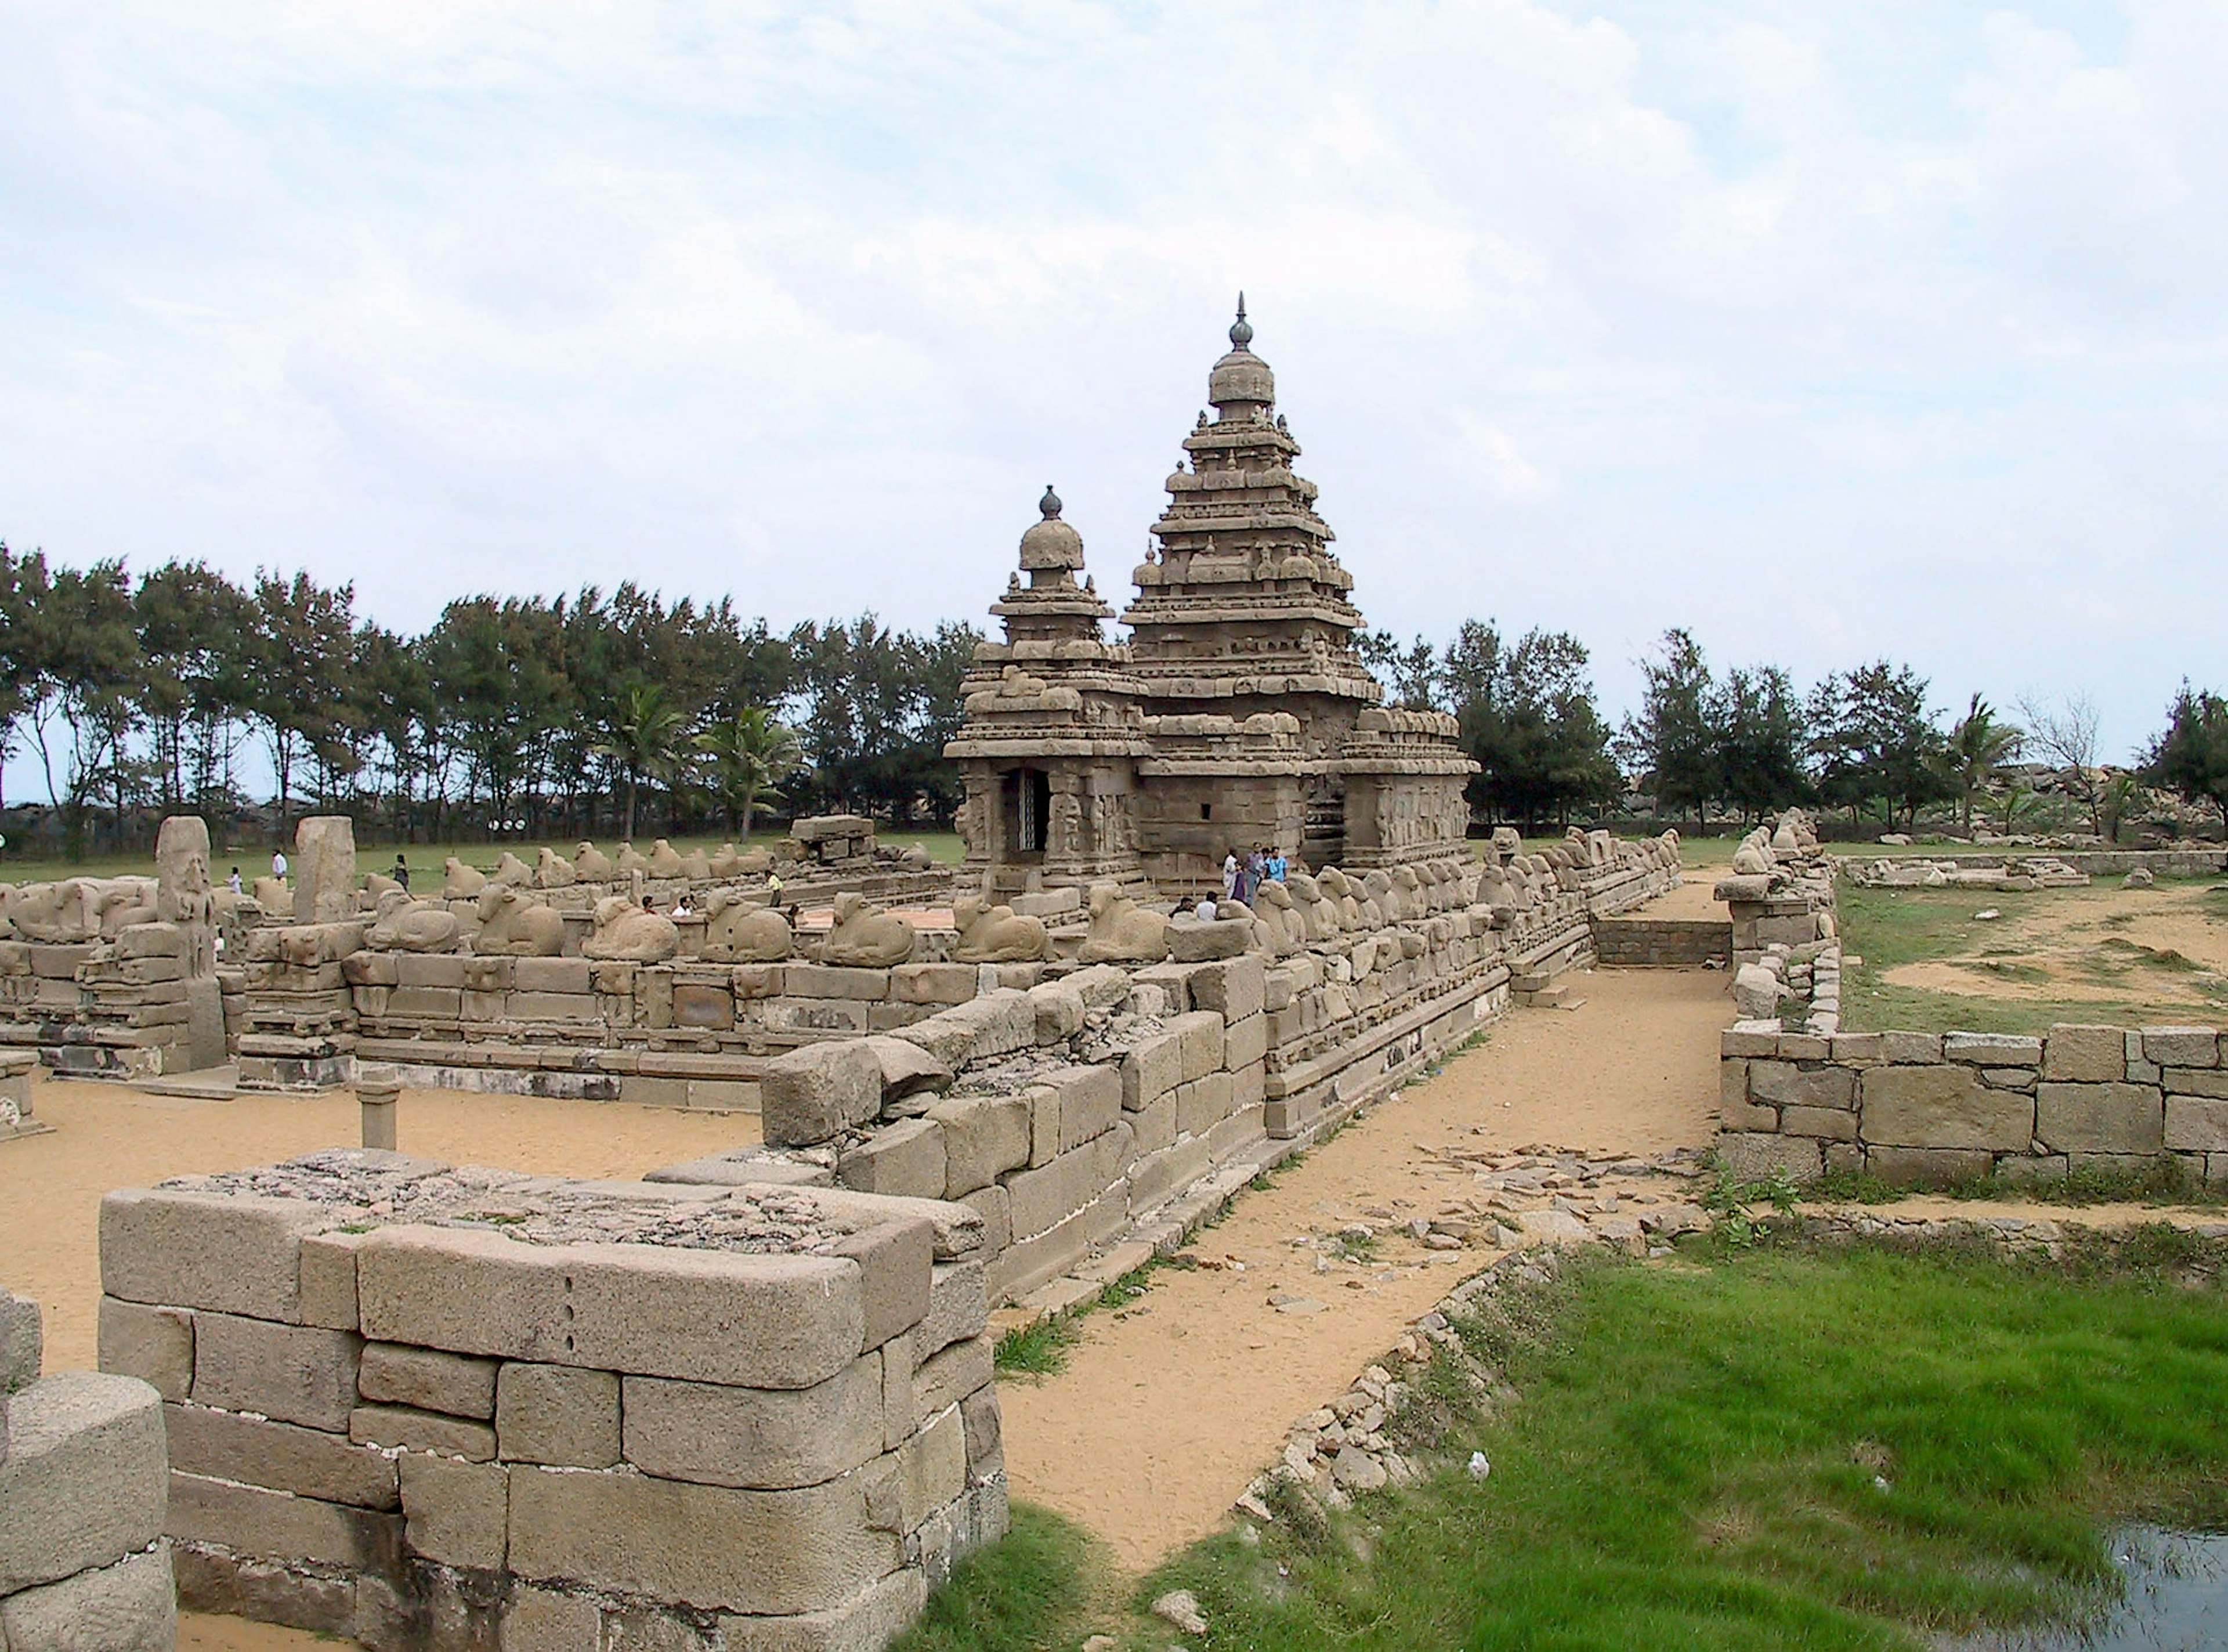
x=1049, y=751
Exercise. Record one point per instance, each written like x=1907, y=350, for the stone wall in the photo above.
x=1662, y=942
x=1930, y=1108
x=84, y=1566
x=1069, y=1104
x=430, y=1408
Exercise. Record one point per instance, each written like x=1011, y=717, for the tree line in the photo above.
x=589, y=714
x=595, y=713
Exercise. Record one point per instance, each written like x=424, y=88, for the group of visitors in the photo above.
x=1242, y=880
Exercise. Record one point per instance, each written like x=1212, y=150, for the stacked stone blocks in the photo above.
x=1931, y=1108
x=84, y=1566
x=438, y=1436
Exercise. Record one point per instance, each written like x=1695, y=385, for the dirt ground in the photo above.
x=2164, y=947
x=1166, y=1410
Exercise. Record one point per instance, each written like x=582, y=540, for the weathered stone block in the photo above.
x=1200, y=1032
x=1992, y=1050
x=1827, y=1123
x=295, y=1373
x=1058, y=1009
x=906, y=1159
x=835, y=981
x=1153, y=1066
x=561, y=1415
x=234, y=1254
x=1783, y=1083
x=2197, y=1123
x=1911, y=1048
x=153, y=1344
x=2195, y=1081
x=82, y=1479
x=932, y=983
x=1234, y=988
x=1752, y=1157
x=814, y=1094
x=130, y=1606
x=222, y=1445
x=2181, y=1047
x=2081, y=1054
x=714, y=1547
x=276, y=1526
x=946, y=1378
x=1245, y=1042
x=572, y=977
x=458, y=1514
x=396, y=1373
x=1202, y=1104
x=1042, y=1198
x=934, y=1465
x=896, y=1264
x=765, y=1440
x=547, y=1620
x=1927, y=1167
x=958, y=1307
x=2100, y=1117
x=983, y=1138
x=772, y=1322
x=1748, y=1117
x=402, y=1428
x=1942, y=1107
x=327, y=1287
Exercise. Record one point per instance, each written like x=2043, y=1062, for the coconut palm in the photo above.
x=644, y=736
x=751, y=755
x=1979, y=746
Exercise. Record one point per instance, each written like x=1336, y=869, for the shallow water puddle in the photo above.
x=2176, y=1601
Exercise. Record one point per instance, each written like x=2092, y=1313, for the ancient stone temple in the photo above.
x=1239, y=711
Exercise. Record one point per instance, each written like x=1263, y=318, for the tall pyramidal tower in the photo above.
x=1245, y=715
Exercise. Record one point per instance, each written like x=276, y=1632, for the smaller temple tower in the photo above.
x=1054, y=728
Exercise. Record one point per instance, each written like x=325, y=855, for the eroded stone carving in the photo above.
x=514, y=925
x=592, y=863
x=1122, y=931
x=401, y=924
x=738, y=930
x=991, y=934
x=553, y=871
x=461, y=882
x=866, y=936
x=634, y=933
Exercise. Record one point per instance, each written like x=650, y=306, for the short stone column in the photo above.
x=377, y=1087
x=16, y=1069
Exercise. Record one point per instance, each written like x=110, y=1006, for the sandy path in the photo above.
x=108, y=1136
x=1166, y=1410
x=1692, y=898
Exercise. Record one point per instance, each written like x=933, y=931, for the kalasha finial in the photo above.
x=1049, y=505
x=1241, y=334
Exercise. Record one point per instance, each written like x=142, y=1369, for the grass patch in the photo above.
x=1039, y=1587
x=1774, y=1447
x=1039, y=1349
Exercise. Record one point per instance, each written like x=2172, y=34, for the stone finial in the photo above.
x=1241, y=330
x=1049, y=505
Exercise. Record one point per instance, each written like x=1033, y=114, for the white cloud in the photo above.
x=1829, y=332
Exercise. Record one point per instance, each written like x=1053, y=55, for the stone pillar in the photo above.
x=324, y=869
x=377, y=1087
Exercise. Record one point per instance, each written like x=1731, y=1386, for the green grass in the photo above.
x=426, y=860
x=1692, y=1461
x=1035, y=1590
x=1038, y=1349
x=1891, y=927
x=2164, y=1181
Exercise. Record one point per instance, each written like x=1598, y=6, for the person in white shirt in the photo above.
x=277, y=863
x=1204, y=911
x=1230, y=875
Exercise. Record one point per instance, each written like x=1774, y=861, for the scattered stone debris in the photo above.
x=1180, y=1608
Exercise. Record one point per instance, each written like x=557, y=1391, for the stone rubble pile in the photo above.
x=2017, y=873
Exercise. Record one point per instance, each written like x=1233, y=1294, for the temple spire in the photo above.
x=1241, y=330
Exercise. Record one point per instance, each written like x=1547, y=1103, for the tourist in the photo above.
x=1204, y=911
x=1278, y=866
x=1256, y=868
x=277, y=863
x=773, y=888
x=234, y=882
x=402, y=873
x=1230, y=874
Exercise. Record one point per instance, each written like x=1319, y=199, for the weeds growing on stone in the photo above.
x=1037, y=1349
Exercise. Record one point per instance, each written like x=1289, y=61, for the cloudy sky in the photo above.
x=1827, y=330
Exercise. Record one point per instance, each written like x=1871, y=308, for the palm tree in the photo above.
x=754, y=754
x=1979, y=746
x=644, y=736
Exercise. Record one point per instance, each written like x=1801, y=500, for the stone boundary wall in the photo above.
x=430, y=1408
x=83, y=1483
x=2098, y=863
x=1920, y=1108
x=1070, y=1112
x=1644, y=942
